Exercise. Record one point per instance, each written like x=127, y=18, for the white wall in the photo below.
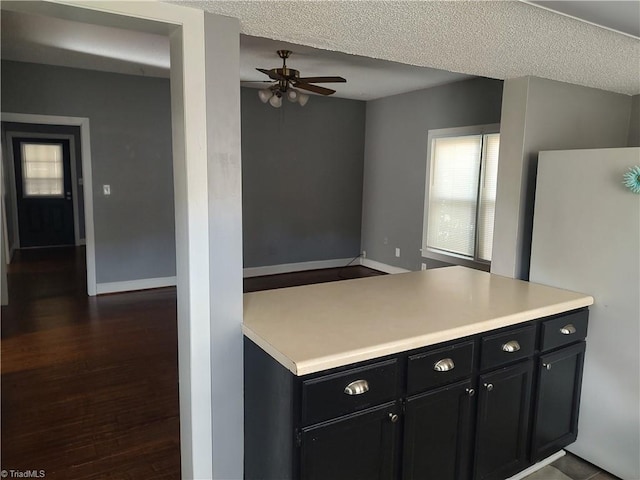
x=540, y=114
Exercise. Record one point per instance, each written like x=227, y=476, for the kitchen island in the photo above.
x=445, y=373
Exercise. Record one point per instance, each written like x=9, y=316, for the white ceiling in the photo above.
x=389, y=47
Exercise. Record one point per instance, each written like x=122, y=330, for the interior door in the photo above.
x=43, y=187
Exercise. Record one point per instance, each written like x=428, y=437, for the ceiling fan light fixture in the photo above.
x=265, y=95
x=303, y=98
x=285, y=78
x=275, y=101
x=292, y=95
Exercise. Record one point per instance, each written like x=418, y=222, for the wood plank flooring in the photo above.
x=90, y=385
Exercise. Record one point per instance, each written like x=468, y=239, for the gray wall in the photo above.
x=301, y=179
x=396, y=161
x=634, y=123
x=544, y=115
x=130, y=120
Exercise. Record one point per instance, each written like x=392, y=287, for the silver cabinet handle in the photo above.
x=393, y=417
x=568, y=329
x=470, y=391
x=488, y=386
x=357, y=387
x=444, y=365
x=510, y=347
x=547, y=366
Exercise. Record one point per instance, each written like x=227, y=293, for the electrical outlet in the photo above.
x=423, y=266
x=386, y=240
x=397, y=252
x=106, y=189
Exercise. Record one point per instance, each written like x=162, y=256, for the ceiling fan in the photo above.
x=287, y=81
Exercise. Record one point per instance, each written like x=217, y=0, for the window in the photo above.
x=42, y=170
x=461, y=195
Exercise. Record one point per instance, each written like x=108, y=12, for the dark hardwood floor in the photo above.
x=90, y=384
x=294, y=279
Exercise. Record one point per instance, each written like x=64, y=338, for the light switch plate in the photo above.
x=106, y=189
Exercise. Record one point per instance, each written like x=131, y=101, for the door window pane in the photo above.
x=42, y=170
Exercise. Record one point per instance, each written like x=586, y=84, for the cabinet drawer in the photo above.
x=564, y=330
x=345, y=392
x=439, y=367
x=507, y=347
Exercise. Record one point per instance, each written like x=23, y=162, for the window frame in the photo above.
x=440, y=255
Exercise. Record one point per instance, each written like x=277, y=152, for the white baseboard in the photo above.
x=541, y=464
x=131, y=285
x=382, y=267
x=298, y=267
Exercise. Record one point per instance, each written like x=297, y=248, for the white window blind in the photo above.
x=454, y=193
x=42, y=170
x=487, y=207
x=460, y=207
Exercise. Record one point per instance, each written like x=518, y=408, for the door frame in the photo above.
x=87, y=182
x=10, y=135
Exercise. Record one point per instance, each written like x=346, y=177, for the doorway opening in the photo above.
x=52, y=205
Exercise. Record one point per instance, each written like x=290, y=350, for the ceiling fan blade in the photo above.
x=314, y=88
x=322, y=79
x=272, y=73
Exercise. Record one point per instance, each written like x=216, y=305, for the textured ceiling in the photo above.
x=496, y=39
x=620, y=15
x=367, y=79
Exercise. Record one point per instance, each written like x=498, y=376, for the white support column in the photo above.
x=507, y=229
x=222, y=52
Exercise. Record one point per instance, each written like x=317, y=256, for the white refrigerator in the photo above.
x=586, y=237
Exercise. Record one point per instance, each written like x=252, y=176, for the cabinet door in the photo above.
x=503, y=422
x=359, y=446
x=557, y=401
x=437, y=434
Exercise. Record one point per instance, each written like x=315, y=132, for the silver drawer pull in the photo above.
x=568, y=329
x=444, y=365
x=510, y=347
x=357, y=387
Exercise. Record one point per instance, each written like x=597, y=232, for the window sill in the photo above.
x=455, y=260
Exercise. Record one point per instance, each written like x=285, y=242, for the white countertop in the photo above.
x=316, y=327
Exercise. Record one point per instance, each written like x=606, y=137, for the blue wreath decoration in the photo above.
x=632, y=179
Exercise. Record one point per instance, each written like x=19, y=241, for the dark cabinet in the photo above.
x=482, y=407
x=437, y=433
x=559, y=378
x=361, y=446
x=503, y=421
